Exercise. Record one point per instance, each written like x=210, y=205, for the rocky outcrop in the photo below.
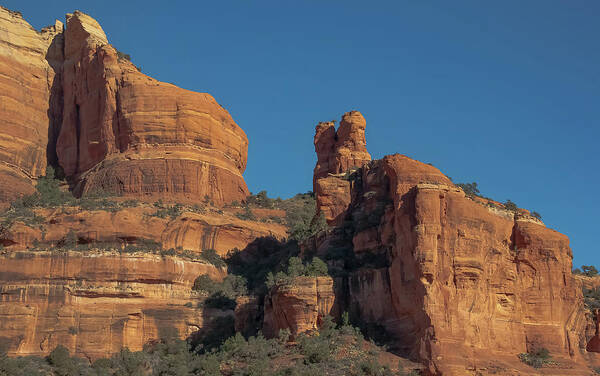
x=338, y=152
x=95, y=304
x=190, y=231
x=463, y=286
x=299, y=306
x=70, y=98
x=30, y=104
x=126, y=133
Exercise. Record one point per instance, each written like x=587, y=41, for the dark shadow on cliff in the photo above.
x=55, y=58
x=263, y=255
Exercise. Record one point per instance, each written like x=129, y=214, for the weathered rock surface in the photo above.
x=29, y=104
x=190, y=231
x=126, y=133
x=463, y=286
x=97, y=303
x=299, y=306
x=338, y=152
x=70, y=97
x=594, y=344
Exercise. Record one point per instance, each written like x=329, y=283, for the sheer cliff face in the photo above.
x=126, y=133
x=466, y=284
x=97, y=304
x=29, y=101
x=69, y=97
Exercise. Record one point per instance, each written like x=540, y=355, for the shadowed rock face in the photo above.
x=461, y=284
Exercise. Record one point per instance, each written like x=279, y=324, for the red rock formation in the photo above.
x=299, y=306
x=28, y=107
x=467, y=286
x=96, y=304
x=191, y=231
x=337, y=154
x=125, y=133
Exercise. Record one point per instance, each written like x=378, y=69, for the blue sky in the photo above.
x=502, y=93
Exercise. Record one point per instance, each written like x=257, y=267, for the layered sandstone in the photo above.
x=338, y=152
x=29, y=101
x=191, y=231
x=70, y=98
x=126, y=133
x=463, y=286
x=299, y=306
x=97, y=303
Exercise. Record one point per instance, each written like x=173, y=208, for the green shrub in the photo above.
x=470, y=189
x=222, y=294
x=123, y=56
x=205, y=283
x=306, y=227
x=211, y=256
x=589, y=270
x=511, y=206
x=591, y=298
x=296, y=268
x=536, y=358
x=162, y=211
x=261, y=257
x=217, y=350
x=536, y=215
x=71, y=239
x=261, y=200
x=316, y=267
x=246, y=215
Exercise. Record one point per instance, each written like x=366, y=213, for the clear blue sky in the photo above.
x=502, y=93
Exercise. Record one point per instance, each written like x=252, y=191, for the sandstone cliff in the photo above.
x=95, y=304
x=463, y=286
x=71, y=98
x=299, y=306
x=30, y=104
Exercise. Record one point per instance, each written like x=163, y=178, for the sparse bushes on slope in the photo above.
x=222, y=294
x=591, y=298
x=470, y=189
x=262, y=256
x=296, y=268
x=536, y=358
x=247, y=214
x=510, y=206
x=589, y=270
x=300, y=211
